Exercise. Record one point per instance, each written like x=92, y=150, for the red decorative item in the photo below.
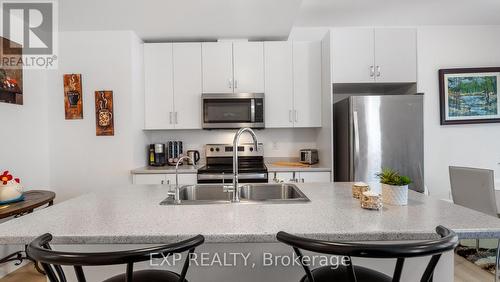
x=5, y=177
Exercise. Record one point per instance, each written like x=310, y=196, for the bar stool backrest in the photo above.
x=448, y=241
x=52, y=261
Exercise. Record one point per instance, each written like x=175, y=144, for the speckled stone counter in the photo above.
x=132, y=214
x=167, y=169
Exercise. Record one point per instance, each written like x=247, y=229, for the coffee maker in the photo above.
x=157, y=156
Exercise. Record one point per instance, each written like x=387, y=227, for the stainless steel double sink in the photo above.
x=201, y=194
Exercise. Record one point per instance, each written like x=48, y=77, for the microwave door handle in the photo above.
x=252, y=110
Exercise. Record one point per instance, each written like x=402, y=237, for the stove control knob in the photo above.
x=251, y=149
x=217, y=149
x=211, y=149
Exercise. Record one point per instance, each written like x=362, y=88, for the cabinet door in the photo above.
x=353, y=55
x=307, y=84
x=313, y=176
x=217, y=61
x=187, y=85
x=149, y=179
x=248, y=62
x=158, y=86
x=286, y=177
x=184, y=179
x=396, y=54
x=279, y=84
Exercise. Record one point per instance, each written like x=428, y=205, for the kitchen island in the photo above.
x=132, y=215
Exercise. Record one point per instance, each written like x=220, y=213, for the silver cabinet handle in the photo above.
x=372, y=71
x=378, y=71
x=163, y=181
x=230, y=83
x=296, y=116
x=235, y=83
x=170, y=117
x=175, y=117
x=291, y=119
x=302, y=180
x=168, y=181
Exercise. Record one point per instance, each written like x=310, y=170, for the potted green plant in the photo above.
x=394, y=187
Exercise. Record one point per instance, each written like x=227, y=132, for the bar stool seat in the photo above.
x=363, y=274
x=148, y=276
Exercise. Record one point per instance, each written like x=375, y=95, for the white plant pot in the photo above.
x=10, y=191
x=395, y=195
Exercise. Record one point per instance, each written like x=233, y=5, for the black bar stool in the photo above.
x=51, y=260
x=355, y=273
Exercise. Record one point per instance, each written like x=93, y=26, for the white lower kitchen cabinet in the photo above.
x=149, y=179
x=164, y=178
x=300, y=177
x=280, y=177
x=314, y=176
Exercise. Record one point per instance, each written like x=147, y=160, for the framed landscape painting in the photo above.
x=469, y=95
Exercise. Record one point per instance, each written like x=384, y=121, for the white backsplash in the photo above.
x=283, y=142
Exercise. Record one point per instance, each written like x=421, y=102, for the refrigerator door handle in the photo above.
x=356, y=143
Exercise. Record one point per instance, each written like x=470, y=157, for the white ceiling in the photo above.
x=191, y=20
x=398, y=12
x=183, y=19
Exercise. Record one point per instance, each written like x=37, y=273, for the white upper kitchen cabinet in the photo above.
x=307, y=84
x=159, y=90
x=217, y=62
x=187, y=85
x=353, y=55
x=279, y=84
x=248, y=63
x=396, y=54
x=364, y=55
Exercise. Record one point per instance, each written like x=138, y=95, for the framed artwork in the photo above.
x=469, y=95
x=73, y=99
x=11, y=75
x=104, y=113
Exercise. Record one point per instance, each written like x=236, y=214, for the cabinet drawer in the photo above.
x=149, y=179
x=184, y=179
x=310, y=177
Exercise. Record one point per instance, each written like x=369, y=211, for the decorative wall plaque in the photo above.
x=73, y=98
x=104, y=113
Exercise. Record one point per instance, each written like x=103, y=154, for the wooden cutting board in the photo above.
x=297, y=164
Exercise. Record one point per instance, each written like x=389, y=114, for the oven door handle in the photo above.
x=241, y=176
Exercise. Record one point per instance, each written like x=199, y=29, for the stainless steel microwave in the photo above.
x=233, y=110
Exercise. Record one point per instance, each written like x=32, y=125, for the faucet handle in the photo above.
x=228, y=188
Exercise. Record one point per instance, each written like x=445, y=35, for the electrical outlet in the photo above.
x=275, y=145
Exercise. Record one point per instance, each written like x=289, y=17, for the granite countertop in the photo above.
x=321, y=167
x=132, y=214
x=167, y=169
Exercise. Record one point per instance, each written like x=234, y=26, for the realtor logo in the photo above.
x=30, y=28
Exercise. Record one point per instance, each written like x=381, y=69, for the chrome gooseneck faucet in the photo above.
x=175, y=193
x=236, y=188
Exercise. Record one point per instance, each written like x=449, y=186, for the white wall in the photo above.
x=24, y=148
x=80, y=161
x=463, y=145
x=282, y=142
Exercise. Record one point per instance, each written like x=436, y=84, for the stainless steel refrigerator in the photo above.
x=374, y=132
